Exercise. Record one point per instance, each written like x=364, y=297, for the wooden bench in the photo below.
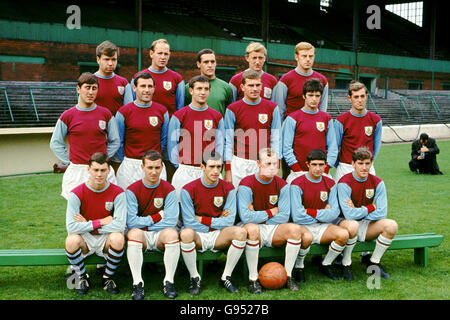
x=42, y=257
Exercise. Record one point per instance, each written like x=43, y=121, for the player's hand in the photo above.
x=161, y=213
x=424, y=149
x=106, y=220
x=250, y=207
x=79, y=218
x=198, y=218
x=274, y=211
x=349, y=202
x=228, y=177
x=225, y=213
x=327, y=206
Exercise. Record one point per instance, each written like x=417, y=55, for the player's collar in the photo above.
x=155, y=71
x=310, y=112
x=262, y=182
x=86, y=109
x=97, y=191
x=197, y=109
x=252, y=103
x=104, y=77
x=304, y=74
x=358, y=179
x=209, y=185
x=142, y=105
x=358, y=115
x=151, y=186
x=312, y=180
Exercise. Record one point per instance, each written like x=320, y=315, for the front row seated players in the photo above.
x=152, y=214
x=208, y=208
x=314, y=204
x=362, y=197
x=95, y=221
x=264, y=209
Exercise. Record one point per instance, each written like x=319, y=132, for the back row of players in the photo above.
x=155, y=117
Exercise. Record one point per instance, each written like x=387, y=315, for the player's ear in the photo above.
x=98, y=59
x=198, y=64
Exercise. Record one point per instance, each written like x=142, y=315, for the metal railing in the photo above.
x=8, y=105
x=33, y=101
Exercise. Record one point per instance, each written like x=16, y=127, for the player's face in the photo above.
x=87, y=93
x=207, y=65
x=98, y=174
x=160, y=56
x=252, y=89
x=144, y=90
x=268, y=166
x=362, y=168
x=358, y=100
x=312, y=99
x=212, y=171
x=200, y=93
x=316, y=168
x=107, y=64
x=256, y=60
x=305, y=60
x=152, y=170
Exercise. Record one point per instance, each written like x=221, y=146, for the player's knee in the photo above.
x=187, y=235
x=294, y=231
x=240, y=234
x=390, y=227
x=171, y=234
x=307, y=239
x=116, y=240
x=352, y=227
x=134, y=234
x=73, y=242
x=252, y=231
x=341, y=236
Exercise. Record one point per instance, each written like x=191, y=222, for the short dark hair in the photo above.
x=210, y=155
x=202, y=52
x=362, y=153
x=312, y=85
x=316, y=154
x=356, y=86
x=107, y=48
x=198, y=78
x=424, y=137
x=143, y=75
x=250, y=74
x=88, y=78
x=99, y=157
x=267, y=151
x=151, y=155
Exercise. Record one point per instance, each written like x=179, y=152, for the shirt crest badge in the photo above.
x=167, y=85
x=323, y=196
x=218, y=201
x=153, y=121
x=208, y=124
x=273, y=199
x=369, y=193
x=368, y=131
x=262, y=117
x=121, y=90
x=158, y=202
x=109, y=205
x=267, y=92
x=102, y=124
x=320, y=126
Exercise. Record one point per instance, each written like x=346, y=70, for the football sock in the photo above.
x=113, y=258
x=333, y=251
x=189, y=254
x=76, y=259
x=291, y=252
x=171, y=256
x=380, y=247
x=234, y=253
x=347, y=253
x=251, y=255
x=135, y=260
x=301, y=257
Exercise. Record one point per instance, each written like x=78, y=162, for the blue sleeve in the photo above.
x=129, y=95
x=324, y=99
x=165, y=134
x=377, y=139
x=380, y=200
x=234, y=91
x=229, y=135
x=73, y=226
x=230, y=204
x=332, y=148
x=289, y=126
x=180, y=95
x=345, y=193
x=133, y=220
x=188, y=213
x=173, y=140
x=275, y=133
x=279, y=95
x=219, y=141
x=244, y=197
x=298, y=211
x=284, y=207
x=120, y=216
x=113, y=139
x=339, y=134
x=57, y=143
x=171, y=213
x=120, y=120
x=328, y=215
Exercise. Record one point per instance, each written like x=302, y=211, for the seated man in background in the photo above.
x=423, y=155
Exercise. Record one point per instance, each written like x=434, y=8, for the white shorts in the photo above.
x=266, y=232
x=240, y=168
x=77, y=174
x=344, y=168
x=95, y=243
x=130, y=171
x=183, y=175
x=151, y=238
x=208, y=240
x=295, y=174
x=317, y=229
x=362, y=230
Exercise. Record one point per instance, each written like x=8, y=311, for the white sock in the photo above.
x=135, y=260
x=347, y=253
x=333, y=251
x=380, y=247
x=301, y=257
x=189, y=254
x=234, y=253
x=251, y=255
x=171, y=256
x=291, y=252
